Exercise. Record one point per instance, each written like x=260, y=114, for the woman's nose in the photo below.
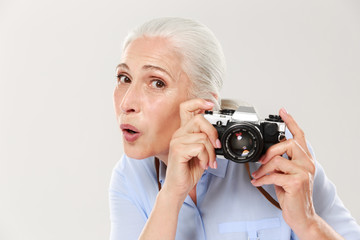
x=131, y=100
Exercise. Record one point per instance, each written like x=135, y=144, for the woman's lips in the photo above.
x=130, y=132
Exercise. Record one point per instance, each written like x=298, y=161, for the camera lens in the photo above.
x=243, y=142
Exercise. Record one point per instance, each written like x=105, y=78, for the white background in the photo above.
x=58, y=136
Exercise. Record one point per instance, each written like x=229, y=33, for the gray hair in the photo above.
x=202, y=56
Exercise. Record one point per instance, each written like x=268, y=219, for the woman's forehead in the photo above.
x=151, y=54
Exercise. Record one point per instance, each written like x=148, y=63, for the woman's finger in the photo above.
x=277, y=164
x=278, y=179
x=290, y=183
x=197, y=150
x=189, y=139
x=189, y=108
x=290, y=147
x=296, y=131
x=198, y=124
x=211, y=153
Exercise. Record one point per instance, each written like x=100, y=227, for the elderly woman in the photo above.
x=171, y=185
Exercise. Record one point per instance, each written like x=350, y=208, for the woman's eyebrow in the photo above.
x=122, y=65
x=152, y=67
x=146, y=67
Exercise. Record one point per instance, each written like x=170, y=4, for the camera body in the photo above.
x=243, y=136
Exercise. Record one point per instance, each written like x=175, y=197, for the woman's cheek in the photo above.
x=164, y=112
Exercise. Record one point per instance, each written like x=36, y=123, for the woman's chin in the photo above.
x=136, y=154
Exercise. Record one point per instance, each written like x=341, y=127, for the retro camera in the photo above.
x=244, y=137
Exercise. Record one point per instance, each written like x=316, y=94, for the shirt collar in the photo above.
x=219, y=172
x=162, y=172
x=222, y=164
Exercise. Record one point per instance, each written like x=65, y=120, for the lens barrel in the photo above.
x=242, y=142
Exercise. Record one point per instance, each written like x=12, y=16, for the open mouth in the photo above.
x=130, y=132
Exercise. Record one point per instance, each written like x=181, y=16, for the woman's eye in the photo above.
x=123, y=79
x=157, y=84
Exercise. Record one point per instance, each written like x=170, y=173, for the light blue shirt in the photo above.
x=228, y=205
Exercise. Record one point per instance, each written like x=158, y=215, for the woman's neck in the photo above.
x=163, y=158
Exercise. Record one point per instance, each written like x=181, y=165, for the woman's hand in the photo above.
x=191, y=149
x=293, y=179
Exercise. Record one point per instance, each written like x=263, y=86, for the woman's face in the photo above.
x=151, y=86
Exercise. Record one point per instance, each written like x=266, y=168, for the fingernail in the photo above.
x=255, y=183
x=254, y=174
x=284, y=113
x=284, y=110
x=209, y=103
x=215, y=164
x=218, y=143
